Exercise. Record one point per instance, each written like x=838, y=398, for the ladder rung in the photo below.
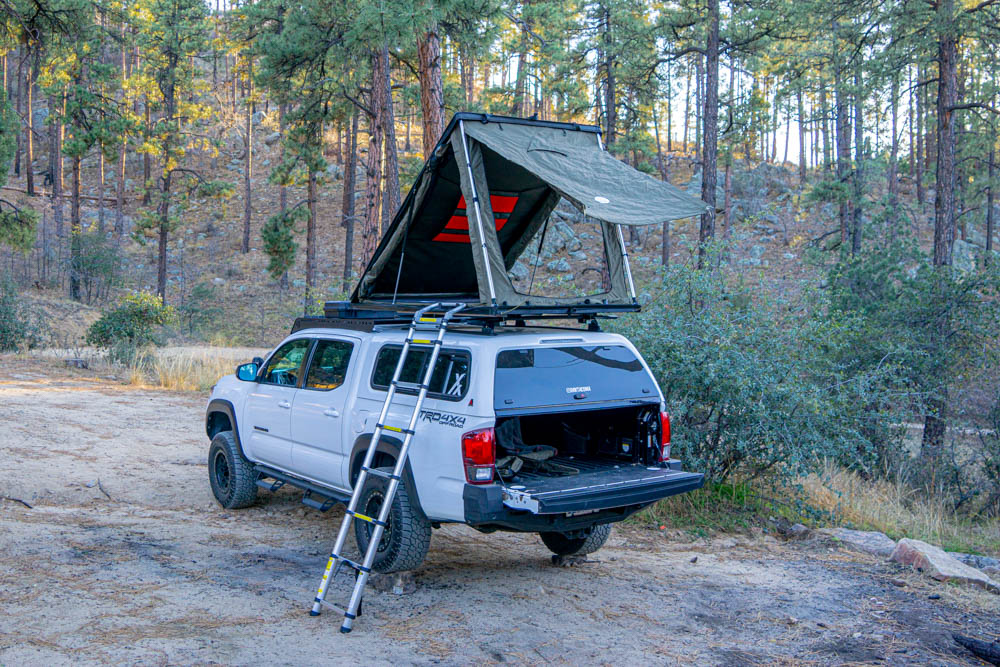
x=380, y=473
x=423, y=341
x=410, y=386
x=395, y=429
x=336, y=608
x=350, y=563
x=365, y=517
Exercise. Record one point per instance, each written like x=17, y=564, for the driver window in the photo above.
x=329, y=365
x=283, y=366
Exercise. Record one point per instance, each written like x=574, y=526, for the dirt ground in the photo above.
x=125, y=557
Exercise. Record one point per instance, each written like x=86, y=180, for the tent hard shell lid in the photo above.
x=482, y=196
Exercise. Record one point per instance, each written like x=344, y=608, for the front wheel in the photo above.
x=407, y=534
x=233, y=479
x=562, y=544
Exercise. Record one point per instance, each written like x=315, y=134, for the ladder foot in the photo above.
x=345, y=629
x=313, y=613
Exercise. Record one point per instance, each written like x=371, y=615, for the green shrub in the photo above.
x=21, y=328
x=130, y=326
x=750, y=380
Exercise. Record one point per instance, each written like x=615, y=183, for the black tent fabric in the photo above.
x=484, y=194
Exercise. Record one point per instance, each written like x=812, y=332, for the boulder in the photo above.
x=976, y=561
x=581, y=256
x=963, y=256
x=272, y=138
x=937, y=564
x=869, y=541
x=519, y=271
x=559, y=265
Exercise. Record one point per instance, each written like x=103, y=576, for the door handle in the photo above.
x=330, y=412
x=284, y=404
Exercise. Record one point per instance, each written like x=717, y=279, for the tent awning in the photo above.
x=484, y=195
x=574, y=164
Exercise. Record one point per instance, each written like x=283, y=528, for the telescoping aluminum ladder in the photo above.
x=337, y=560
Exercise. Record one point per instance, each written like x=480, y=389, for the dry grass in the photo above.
x=185, y=369
x=896, y=510
x=833, y=496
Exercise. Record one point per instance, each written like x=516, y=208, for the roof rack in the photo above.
x=365, y=316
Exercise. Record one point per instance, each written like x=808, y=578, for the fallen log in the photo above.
x=988, y=651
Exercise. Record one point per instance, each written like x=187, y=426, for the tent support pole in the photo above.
x=479, y=215
x=628, y=270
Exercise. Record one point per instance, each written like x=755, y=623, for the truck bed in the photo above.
x=599, y=485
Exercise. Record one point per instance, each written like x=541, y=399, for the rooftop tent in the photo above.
x=487, y=191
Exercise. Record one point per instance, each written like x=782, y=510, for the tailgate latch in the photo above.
x=519, y=500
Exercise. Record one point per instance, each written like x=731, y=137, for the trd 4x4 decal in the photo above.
x=443, y=418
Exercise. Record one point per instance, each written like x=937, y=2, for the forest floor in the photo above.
x=124, y=557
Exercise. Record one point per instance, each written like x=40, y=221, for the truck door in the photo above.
x=267, y=412
x=319, y=412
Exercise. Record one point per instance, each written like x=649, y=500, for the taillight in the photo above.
x=479, y=455
x=664, y=437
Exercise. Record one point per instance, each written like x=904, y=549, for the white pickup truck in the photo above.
x=535, y=429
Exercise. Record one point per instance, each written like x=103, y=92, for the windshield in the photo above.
x=569, y=376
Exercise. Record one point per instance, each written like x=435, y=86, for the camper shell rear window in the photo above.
x=536, y=377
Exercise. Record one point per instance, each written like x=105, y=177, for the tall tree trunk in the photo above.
x=347, y=207
x=19, y=108
x=311, y=241
x=859, y=163
x=944, y=195
x=120, y=193
x=843, y=150
x=920, y=142
x=610, y=83
x=699, y=105
x=29, y=156
x=147, y=169
x=76, y=231
x=935, y=424
x=373, y=191
x=824, y=112
x=909, y=122
x=55, y=148
x=892, y=178
x=788, y=131
x=670, y=120
x=431, y=87
x=687, y=108
x=248, y=164
x=802, y=134
x=381, y=85
x=990, y=212
x=711, y=119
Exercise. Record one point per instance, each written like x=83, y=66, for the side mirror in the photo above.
x=247, y=372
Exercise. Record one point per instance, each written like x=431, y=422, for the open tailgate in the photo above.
x=597, y=487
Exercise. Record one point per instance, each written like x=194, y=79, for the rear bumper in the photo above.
x=555, y=510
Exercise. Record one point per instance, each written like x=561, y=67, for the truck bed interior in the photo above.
x=585, y=442
x=604, y=458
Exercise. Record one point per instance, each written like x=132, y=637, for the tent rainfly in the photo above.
x=486, y=192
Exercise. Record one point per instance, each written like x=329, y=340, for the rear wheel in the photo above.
x=407, y=534
x=233, y=479
x=562, y=544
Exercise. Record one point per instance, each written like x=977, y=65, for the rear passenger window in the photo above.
x=451, y=374
x=329, y=365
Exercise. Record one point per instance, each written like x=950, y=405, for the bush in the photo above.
x=751, y=383
x=129, y=327
x=21, y=328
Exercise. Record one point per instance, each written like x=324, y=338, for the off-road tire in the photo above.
x=233, y=479
x=561, y=545
x=407, y=535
